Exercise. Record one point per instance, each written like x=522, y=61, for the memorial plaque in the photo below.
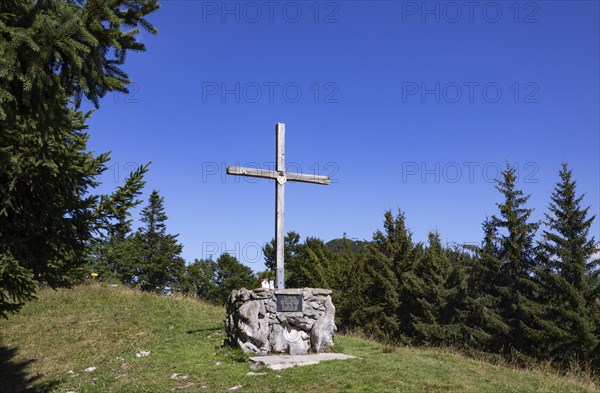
x=289, y=303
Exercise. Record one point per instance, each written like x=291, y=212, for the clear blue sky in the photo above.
x=404, y=105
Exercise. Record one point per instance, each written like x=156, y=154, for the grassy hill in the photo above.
x=50, y=344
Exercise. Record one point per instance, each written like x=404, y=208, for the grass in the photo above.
x=48, y=346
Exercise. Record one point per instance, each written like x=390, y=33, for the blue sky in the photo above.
x=405, y=104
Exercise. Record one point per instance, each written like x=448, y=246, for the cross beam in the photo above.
x=268, y=174
x=281, y=177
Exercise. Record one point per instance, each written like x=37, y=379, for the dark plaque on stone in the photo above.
x=289, y=303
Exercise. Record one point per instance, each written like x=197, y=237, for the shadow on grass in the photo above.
x=14, y=376
x=209, y=329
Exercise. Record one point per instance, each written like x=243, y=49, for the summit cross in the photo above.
x=281, y=177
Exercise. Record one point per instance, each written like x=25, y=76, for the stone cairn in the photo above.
x=280, y=321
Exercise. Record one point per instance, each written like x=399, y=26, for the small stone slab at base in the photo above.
x=280, y=362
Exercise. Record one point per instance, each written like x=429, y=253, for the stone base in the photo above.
x=255, y=324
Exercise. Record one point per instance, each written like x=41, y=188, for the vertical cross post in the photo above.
x=281, y=177
x=279, y=198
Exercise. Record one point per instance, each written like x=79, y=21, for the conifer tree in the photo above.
x=291, y=248
x=518, y=283
x=428, y=284
x=349, y=294
x=486, y=327
x=454, y=313
x=388, y=259
x=53, y=53
x=232, y=275
x=571, y=275
x=114, y=254
x=160, y=262
x=314, y=266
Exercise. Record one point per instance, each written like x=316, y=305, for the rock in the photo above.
x=281, y=362
x=236, y=387
x=317, y=305
x=248, y=347
x=249, y=312
x=321, y=335
x=141, y=354
x=179, y=376
x=304, y=322
x=253, y=323
x=277, y=341
x=261, y=293
x=299, y=347
x=321, y=291
x=90, y=369
x=281, y=318
x=270, y=306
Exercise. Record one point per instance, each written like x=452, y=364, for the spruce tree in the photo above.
x=389, y=257
x=518, y=283
x=114, y=254
x=454, y=313
x=52, y=53
x=160, y=263
x=571, y=275
x=486, y=328
x=349, y=293
x=314, y=266
x=431, y=319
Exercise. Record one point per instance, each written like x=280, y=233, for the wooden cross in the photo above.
x=281, y=177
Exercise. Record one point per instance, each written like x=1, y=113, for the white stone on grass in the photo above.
x=281, y=362
x=89, y=369
x=142, y=354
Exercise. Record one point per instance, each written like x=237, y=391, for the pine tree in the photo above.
x=53, y=53
x=571, y=275
x=160, y=265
